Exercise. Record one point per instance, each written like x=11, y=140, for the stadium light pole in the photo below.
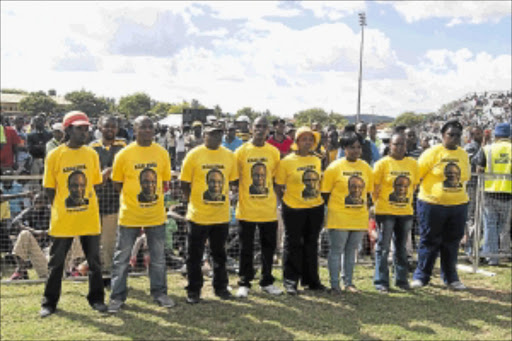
x=362, y=22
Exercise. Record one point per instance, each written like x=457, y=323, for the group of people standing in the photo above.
x=308, y=195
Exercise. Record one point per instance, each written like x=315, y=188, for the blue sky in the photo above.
x=281, y=56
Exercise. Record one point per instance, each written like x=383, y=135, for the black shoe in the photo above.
x=223, y=294
x=100, y=306
x=290, y=287
x=193, y=298
x=405, y=286
x=317, y=287
x=46, y=311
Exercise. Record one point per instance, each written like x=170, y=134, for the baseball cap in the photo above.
x=197, y=124
x=451, y=123
x=57, y=126
x=75, y=118
x=212, y=128
x=502, y=130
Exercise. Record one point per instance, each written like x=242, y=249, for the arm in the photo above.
x=185, y=192
x=279, y=189
x=118, y=186
x=50, y=194
x=326, y=197
x=376, y=192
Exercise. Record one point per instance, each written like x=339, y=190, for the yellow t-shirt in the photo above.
x=209, y=173
x=142, y=170
x=256, y=197
x=444, y=173
x=397, y=180
x=73, y=174
x=301, y=175
x=348, y=184
x=5, y=210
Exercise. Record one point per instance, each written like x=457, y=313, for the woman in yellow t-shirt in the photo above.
x=396, y=178
x=442, y=207
x=297, y=185
x=345, y=188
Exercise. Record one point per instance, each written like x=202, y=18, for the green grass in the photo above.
x=431, y=313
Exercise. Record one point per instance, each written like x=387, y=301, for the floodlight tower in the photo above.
x=362, y=22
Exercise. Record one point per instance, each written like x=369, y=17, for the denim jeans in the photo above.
x=342, y=243
x=496, y=227
x=441, y=230
x=58, y=252
x=397, y=227
x=157, y=268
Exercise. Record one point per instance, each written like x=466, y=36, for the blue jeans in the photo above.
x=344, y=243
x=496, y=226
x=157, y=268
x=397, y=227
x=441, y=230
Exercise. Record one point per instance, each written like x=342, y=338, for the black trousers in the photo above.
x=268, y=237
x=197, y=235
x=58, y=252
x=301, y=233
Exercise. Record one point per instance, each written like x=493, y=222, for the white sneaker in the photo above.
x=242, y=292
x=416, y=283
x=457, y=285
x=272, y=289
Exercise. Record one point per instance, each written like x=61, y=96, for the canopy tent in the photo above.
x=174, y=120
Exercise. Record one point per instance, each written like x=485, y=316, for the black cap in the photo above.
x=451, y=123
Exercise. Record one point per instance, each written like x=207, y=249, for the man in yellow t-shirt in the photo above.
x=71, y=173
x=257, y=162
x=140, y=172
x=205, y=177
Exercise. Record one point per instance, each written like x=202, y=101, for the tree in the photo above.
x=247, y=111
x=161, y=108
x=87, y=102
x=217, y=111
x=14, y=91
x=408, y=119
x=37, y=102
x=306, y=117
x=135, y=105
x=178, y=108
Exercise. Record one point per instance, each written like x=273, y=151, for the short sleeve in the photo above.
x=281, y=173
x=370, y=180
x=233, y=176
x=328, y=179
x=277, y=158
x=416, y=179
x=187, y=169
x=378, y=172
x=97, y=179
x=166, y=171
x=425, y=163
x=117, y=168
x=49, y=180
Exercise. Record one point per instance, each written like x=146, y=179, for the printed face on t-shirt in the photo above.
x=148, y=184
x=77, y=182
x=215, y=182
x=400, y=189
x=259, y=178
x=355, y=191
x=452, y=176
x=310, y=178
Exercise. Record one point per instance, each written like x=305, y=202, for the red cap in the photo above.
x=75, y=118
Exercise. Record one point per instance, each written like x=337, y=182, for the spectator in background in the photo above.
x=372, y=134
x=107, y=147
x=425, y=143
x=180, y=145
x=279, y=139
x=36, y=142
x=332, y=146
x=171, y=146
x=243, y=131
x=10, y=186
x=370, y=152
x=162, y=138
x=497, y=159
x=290, y=131
x=5, y=222
x=122, y=132
x=23, y=157
x=412, y=148
x=58, y=137
x=196, y=138
x=34, y=223
x=229, y=140
x=9, y=147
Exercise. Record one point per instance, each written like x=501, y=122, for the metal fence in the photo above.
x=487, y=234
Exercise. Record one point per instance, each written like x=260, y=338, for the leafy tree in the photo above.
x=37, y=102
x=14, y=91
x=408, y=119
x=161, y=108
x=306, y=117
x=247, y=111
x=135, y=105
x=178, y=108
x=87, y=102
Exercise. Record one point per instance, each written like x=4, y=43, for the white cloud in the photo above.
x=472, y=12
x=333, y=10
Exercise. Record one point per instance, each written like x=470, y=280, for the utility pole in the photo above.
x=362, y=22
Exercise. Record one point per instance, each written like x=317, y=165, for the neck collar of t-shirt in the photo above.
x=138, y=145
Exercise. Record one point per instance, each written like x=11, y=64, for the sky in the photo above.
x=284, y=56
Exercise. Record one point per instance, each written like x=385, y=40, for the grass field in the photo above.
x=484, y=312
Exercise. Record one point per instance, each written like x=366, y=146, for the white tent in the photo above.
x=174, y=120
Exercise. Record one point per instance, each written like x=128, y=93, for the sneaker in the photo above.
x=223, y=294
x=165, y=301
x=457, y=285
x=242, y=292
x=46, y=311
x=272, y=289
x=416, y=284
x=19, y=275
x=382, y=289
x=193, y=298
x=100, y=306
x=114, y=306
x=290, y=287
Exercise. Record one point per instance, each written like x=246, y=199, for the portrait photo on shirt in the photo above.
x=400, y=190
x=311, y=180
x=452, y=176
x=259, y=179
x=148, y=184
x=215, y=183
x=355, y=186
x=77, y=182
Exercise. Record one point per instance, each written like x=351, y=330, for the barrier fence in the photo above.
x=24, y=243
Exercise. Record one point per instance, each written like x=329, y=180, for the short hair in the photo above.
x=400, y=128
x=348, y=138
x=277, y=121
x=77, y=172
x=401, y=177
x=258, y=164
x=355, y=177
x=213, y=170
x=146, y=170
x=106, y=118
x=309, y=171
